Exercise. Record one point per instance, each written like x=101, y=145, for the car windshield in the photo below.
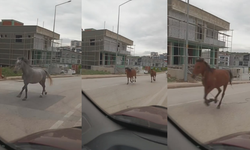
x=216, y=47
x=50, y=97
x=110, y=58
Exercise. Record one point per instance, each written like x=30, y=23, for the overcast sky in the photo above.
x=143, y=21
x=236, y=13
x=68, y=16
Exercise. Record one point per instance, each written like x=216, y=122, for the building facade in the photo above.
x=224, y=59
x=75, y=43
x=32, y=42
x=99, y=48
x=204, y=32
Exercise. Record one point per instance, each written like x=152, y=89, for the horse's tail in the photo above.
x=50, y=79
x=231, y=76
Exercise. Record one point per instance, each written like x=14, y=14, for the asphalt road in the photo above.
x=113, y=94
x=186, y=106
x=60, y=108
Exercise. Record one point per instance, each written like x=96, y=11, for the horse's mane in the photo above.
x=128, y=68
x=25, y=60
x=206, y=64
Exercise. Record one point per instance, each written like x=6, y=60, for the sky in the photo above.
x=236, y=13
x=68, y=16
x=142, y=21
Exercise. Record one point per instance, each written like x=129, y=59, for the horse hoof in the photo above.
x=18, y=96
x=24, y=99
x=218, y=107
x=207, y=104
x=45, y=93
x=40, y=96
x=215, y=101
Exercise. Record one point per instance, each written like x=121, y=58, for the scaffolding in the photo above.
x=99, y=50
x=36, y=48
x=204, y=39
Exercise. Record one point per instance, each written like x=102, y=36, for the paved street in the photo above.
x=60, y=108
x=186, y=106
x=113, y=94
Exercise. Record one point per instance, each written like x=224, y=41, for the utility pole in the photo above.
x=186, y=48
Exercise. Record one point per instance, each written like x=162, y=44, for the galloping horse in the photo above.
x=31, y=75
x=212, y=78
x=130, y=74
x=152, y=74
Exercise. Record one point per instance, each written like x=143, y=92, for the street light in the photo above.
x=186, y=49
x=118, y=33
x=54, y=32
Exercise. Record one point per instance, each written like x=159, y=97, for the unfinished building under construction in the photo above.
x=32, y=42
x=207, y=34
x=100, y=51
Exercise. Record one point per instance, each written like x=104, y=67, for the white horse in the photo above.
x=31, y=75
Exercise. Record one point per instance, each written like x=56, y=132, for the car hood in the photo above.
x=155, y=114
x=67, y=139
x=241, y=139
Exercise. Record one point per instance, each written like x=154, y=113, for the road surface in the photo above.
x=60, y=108
x=113, y=94
x=186, y=106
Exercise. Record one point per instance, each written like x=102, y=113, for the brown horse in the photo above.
x=212, y=78
x=130, y=74
x=152, y=74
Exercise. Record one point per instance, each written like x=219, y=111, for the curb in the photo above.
x=196, y=85
x=95, y=77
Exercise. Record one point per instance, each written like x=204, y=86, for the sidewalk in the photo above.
x=114, y=75
x=174, y=85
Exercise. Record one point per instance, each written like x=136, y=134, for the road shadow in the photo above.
x=33, y=101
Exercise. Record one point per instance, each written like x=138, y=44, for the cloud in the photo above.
x=68, y=16
x=143, y=21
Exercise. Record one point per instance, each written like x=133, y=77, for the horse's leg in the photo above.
x=154, y=77
x=223, y=93
x=151, y=78
x=135, y=78
x=219, y=91
x=127, y=80
x=26, y=91
x=207, y=90
x=43, y=86
x=19, y=95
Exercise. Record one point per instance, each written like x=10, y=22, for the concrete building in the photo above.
x=75, y=43
x=224, y=59
x=66, y=56
x=99, y=48
x=152, y=61
x=204, y=32
x=32, y=42
x=236, y=59
x=154, y=54
x=246, y=60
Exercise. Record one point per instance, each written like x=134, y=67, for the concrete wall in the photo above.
x=199, y=13
x=177, y=73
x=177, y=29
x=101, y=68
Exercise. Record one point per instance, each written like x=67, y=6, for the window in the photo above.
x=92, y=42
x=19, y=38
x=199, y=32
